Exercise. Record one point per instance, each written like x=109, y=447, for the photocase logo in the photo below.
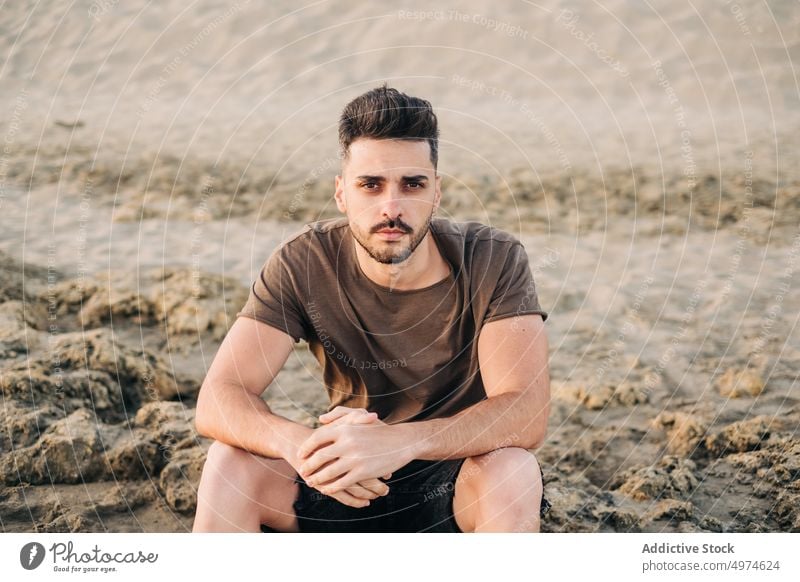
x=31, y=555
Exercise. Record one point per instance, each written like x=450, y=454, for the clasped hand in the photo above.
x=352, y=448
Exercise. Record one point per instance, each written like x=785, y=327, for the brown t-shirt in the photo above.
x=405, y=354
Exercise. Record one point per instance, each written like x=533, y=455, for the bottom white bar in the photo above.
x=389, y=557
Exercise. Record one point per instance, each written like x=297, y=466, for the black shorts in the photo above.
x=420, y=499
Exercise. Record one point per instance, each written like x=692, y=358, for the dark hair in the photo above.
x=386, y=113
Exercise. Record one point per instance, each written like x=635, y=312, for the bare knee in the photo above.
x=244, y=471
x=228, y=461
x=506, y=487
x=243, y=488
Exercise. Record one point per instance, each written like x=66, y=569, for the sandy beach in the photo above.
x=646, y=156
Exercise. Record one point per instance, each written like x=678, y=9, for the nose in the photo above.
x=390, y=205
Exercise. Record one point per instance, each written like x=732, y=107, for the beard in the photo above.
x=391, y=253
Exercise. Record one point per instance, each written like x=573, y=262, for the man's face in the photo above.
x=389, y=191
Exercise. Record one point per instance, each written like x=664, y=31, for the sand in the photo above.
x=645, y=154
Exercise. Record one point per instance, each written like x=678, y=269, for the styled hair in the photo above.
x=386, y=113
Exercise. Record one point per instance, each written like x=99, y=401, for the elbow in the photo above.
x=202, y=420
x=535, y=442
x=532, y=440
x=535, y=436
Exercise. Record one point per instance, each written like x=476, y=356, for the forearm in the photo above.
x=504, y=420
x=230, y=414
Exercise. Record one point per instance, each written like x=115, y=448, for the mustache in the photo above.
x=393, y=224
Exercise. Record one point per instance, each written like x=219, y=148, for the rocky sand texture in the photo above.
x=100, y=373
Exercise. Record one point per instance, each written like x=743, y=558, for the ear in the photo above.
x=341, y=204
x=437, y=199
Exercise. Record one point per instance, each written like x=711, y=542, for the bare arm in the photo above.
x=229, y=406
x=513, y=355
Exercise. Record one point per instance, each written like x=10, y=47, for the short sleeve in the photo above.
x=515, y=292
x=273, y=299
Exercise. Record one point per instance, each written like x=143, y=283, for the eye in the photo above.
x=368, y=185
x=417, y=185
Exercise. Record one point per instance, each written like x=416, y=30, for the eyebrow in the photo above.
x=417, y=178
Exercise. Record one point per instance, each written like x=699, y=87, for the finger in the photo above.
x=375, y=486
x=317, y=460
x=361, y=492
x=387, y=476
x=321, y=436
x=338, y=412
x=355, y=418
x=330, y=473
x=349, y=499
x=360, y=418
x=340, y=483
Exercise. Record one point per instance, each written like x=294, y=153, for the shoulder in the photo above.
x=485, y=254
x=474, y=235
x=318, y=229
x=313, y=235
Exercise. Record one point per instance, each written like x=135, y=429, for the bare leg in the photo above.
x=499, y=491
x=240, y=490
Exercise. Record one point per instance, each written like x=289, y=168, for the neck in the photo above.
x=423, y=268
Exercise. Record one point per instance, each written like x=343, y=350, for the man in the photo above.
x=432, y=345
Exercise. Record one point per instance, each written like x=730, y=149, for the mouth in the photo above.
x=391, y=234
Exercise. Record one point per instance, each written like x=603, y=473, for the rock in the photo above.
x=187, y=302
x=751, y=461
x=669, y=509
x=91, y=370
x=17, y=314
x=35, y=383
x=80, y=448
x=776, y=464
x=65, y=516
x=738, y=384
x=710, y=523
x=601, y=396
x=136, y=457
x=567, y=392
x=745, y=435
x=17, y=280
x=125, y=497
x=624, y=521
x=671, y=477
x=145, y=375
x=171, y=426
x=631, y=394
x=18, y=320
x=70, y=522
x=21, y=426
x=684, y=432
x=787, y=467
x=155, y=415
x=576, y=504
x=180, y=479
x=787, y=510
x=598, y=398
x=70, y=451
